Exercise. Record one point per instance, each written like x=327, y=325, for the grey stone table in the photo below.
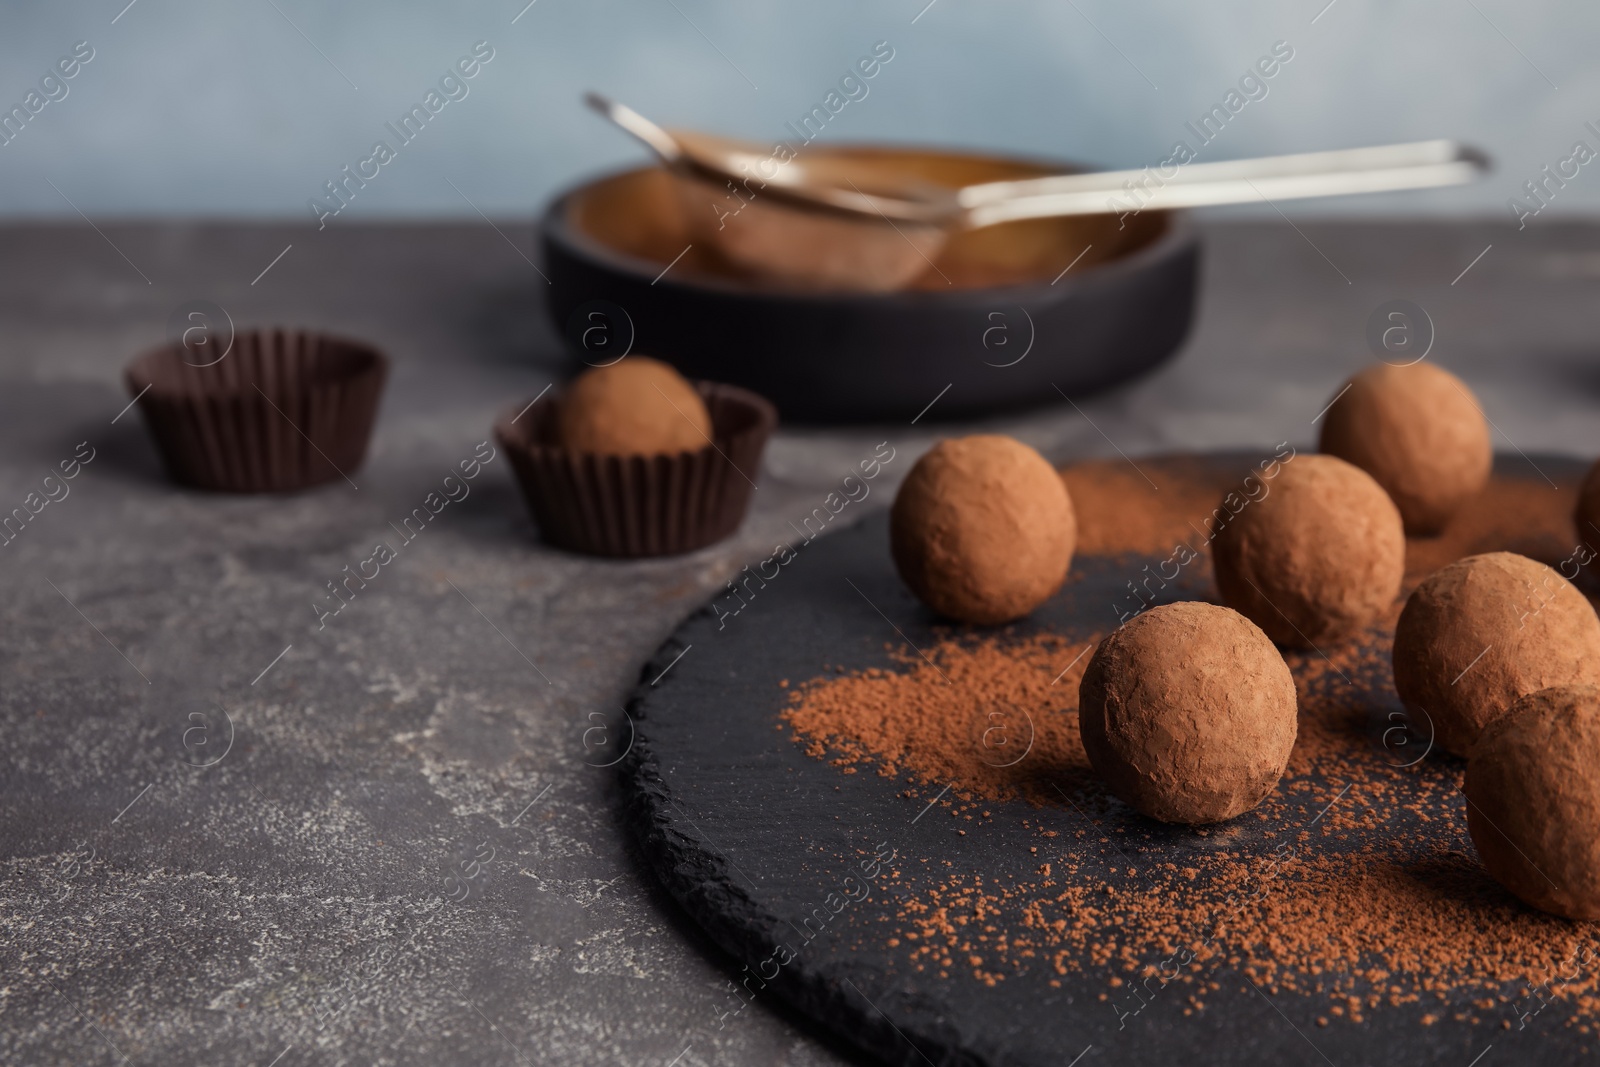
x=229, y=836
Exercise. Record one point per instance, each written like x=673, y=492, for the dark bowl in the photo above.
x=1007, y=317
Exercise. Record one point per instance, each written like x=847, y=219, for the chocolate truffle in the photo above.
x=1419, y=432
x=1188, y=713
x=982, y=529
x=1312, y=555
x=1533, y=800
x=635, y=407
x=1484, y=631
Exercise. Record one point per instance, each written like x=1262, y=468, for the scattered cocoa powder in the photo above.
x=1355, y=881
x=1119, y=512
x=912, y=721
x=1149, y=509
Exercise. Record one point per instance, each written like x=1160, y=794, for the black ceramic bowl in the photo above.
x=1006, y=317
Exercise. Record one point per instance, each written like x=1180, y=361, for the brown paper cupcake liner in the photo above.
x=636, y=506
x=283, y=410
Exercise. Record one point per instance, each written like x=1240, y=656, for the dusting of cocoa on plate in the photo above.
x=1359, y=884
x=926, y=718
x=1120, y=512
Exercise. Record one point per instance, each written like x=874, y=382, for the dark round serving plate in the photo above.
x=753, y=835
x=1004, y=318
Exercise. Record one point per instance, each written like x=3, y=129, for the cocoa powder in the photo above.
x=1378, y=901
x=910, y=722
x=1121, y=513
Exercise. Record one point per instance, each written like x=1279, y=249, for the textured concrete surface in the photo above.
x=391, y=843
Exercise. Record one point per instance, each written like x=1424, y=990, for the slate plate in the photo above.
x=751, y=835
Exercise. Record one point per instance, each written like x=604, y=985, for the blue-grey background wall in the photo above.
x=246, y=107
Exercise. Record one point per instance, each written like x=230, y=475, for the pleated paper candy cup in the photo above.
x=638, y=506
x=283, y=410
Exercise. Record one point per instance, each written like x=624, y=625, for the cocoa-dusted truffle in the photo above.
x=1485, y=630
x=982, y=529
x=1533, y=792
x=1419, y=432
x=1313, y=555
x=1188, y=713
x=638, y=406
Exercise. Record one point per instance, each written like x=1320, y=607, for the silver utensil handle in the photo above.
x=654, y=137
x=1423, y=164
